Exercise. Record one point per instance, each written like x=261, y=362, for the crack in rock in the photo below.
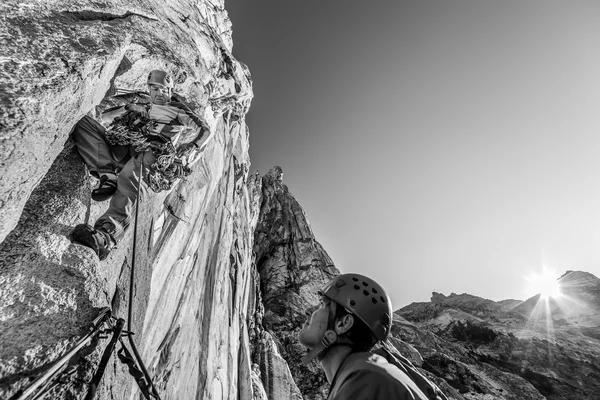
x=90, y=15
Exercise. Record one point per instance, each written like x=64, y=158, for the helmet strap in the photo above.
x=329, y=338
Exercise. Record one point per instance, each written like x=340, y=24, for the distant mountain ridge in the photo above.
x=511, y=349
x=472, y=347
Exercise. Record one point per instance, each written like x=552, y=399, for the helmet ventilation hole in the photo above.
x=382, y=299
x=352, y=303
x=366, y=293
x=356, y=287
x=374, y=290
x=365, y=284
x=355, y=279
x=374, y=300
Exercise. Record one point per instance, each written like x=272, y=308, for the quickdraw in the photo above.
x=167, y=169
x=133, y=129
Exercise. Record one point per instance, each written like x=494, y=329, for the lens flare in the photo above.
x=545, y=284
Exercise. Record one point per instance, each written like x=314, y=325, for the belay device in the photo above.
x=136, y=130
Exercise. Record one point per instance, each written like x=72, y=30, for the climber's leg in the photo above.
x=97, y=153
x=102, y=159
x=118, y=216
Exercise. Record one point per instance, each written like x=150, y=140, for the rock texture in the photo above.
x=226, y=262
x=292, y=266
x=472, y=348
x=61, y=61
x=501, y=350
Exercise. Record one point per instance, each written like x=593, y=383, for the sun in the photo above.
x=545, y=283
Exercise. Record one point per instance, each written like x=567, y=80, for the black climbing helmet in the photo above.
x=363, y=298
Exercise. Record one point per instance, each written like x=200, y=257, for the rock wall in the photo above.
x=472, y=348
x=292, y=266
x=61, y=61
x=226, y=262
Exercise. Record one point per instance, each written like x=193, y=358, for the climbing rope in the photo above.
x=144, y=380
x=43, y=385
x=133, y=129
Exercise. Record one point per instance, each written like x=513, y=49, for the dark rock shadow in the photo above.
x=45, y=281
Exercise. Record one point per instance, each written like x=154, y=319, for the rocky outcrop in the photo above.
x=471, y=347
x=226, y=263
x=292, y=266
x=486, y=350
x=61, y=61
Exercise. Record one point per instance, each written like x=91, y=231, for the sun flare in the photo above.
x=545, y=283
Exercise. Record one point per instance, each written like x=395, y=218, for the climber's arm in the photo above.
x=109, y=115
x=199, y=126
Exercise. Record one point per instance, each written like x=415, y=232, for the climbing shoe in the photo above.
x=96, y=239
x=106, y=188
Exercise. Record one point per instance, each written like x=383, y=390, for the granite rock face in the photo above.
x=472, y=348
x=61, y=61
x=293, y=267
x=226, y=263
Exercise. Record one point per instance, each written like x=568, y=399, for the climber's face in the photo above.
x=316, y=323
x=159, y=94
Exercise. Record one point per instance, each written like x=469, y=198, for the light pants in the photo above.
x=102, y=158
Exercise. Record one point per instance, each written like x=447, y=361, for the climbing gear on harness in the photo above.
x=132, y=129
x=136, y=130
x=167, y=169
x=106, y=188
x=161, y=78
x=95, y=238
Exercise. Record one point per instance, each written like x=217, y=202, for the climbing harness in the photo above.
x=133, y=129
x=42, y=386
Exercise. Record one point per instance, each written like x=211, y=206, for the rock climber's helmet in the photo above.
x=161, y=78
x=363, y=298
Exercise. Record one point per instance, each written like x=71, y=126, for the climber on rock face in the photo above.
x=118, y=166
x=353, y=315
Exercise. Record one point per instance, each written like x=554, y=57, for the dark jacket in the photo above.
x=368, y=376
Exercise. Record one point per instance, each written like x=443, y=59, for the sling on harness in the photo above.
x=133, y=129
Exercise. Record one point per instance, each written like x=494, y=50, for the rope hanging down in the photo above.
x=48, y=381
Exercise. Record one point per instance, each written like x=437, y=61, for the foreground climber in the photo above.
x=353, y=315
x=118, y=166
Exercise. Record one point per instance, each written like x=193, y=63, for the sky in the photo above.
x=448, y=146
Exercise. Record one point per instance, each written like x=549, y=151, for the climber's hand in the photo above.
x=186, y=149
x=138, y=109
